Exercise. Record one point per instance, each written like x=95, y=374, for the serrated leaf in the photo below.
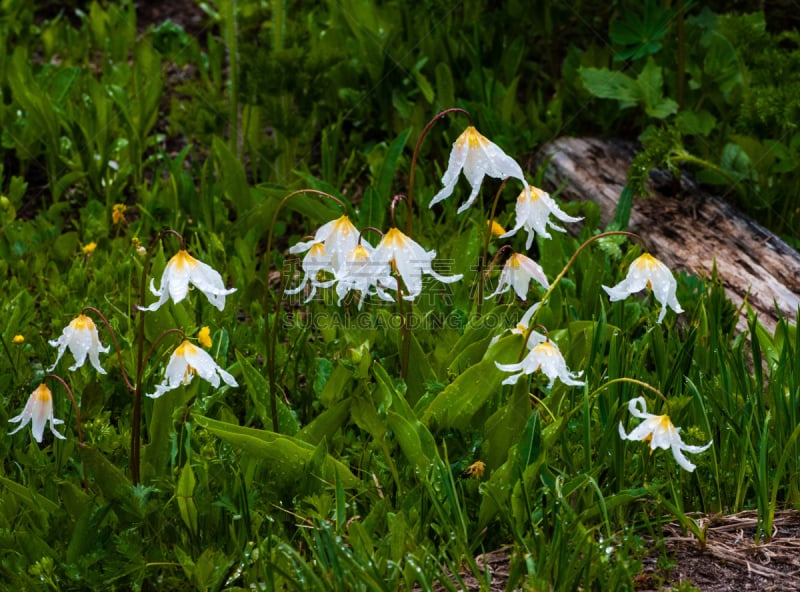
x=607, y=84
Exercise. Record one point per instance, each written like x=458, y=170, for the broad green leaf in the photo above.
x=232, y=175
x=458, y=403
x=651, y=84
x=184, y=495
x=607, y=84
x=445, y=92
x=327, y=423
x=29, y=497
x=286, y=458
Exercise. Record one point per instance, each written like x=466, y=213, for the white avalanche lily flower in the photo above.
x=362, y=273
x=534, y=208
x=186, y=361
x=316, y=260
x=182, y=270
x=410, y=260
x=517, y=273
x=658, y=429
x=340, y=237
x=80, y=336
x=477, y=157
x=648, y=272
x=38, y=411
x=545, y=357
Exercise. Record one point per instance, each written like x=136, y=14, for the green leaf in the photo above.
x=232, y=175
x=458, y=403
x=183, y=494
x=29, y=497
x=605, y=84
x=285, y=458
x=695, y=123
x=388, y=171
x=651, y=84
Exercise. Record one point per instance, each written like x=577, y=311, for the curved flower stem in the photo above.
x=479, y=298
x=484, y=275
x=395, y=199
x=77, y=422
x=563, y=272
x=632, y=381
x=103, y=318
x=158, y=340
x=136, y=422
x=271, y=333
x=415, y=155
x=372, y=228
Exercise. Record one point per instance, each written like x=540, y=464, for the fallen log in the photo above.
x=690, y=230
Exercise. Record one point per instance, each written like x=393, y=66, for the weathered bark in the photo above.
x=687, y=231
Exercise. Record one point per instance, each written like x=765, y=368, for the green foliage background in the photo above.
x=364, y=486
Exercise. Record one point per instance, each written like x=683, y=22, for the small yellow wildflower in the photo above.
x=204, y=337
x=89, y=248
x=476, y=469
x=118, y=213
x=18, y=339
x=495, y=228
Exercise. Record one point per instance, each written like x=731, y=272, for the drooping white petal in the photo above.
x=648, y=272
x=81, y=337
x=183, y=269
x=409, y=259
x=187, y=361
x=533, y=211
x=660, y=432
x=38, y=411
x=477, y=157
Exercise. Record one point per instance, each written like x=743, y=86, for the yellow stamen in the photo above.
x=82, y=323
x=513, y=261
x=43, y=394
x=182, y=258
x=359, y=253
x=472, y=137
x=646, y=261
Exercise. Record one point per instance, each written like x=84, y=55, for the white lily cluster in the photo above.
x=80, y=336
x=189, y=360
x=336, y=255
x=659, y=431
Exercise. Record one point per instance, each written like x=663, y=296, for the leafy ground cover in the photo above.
x=366, y=430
